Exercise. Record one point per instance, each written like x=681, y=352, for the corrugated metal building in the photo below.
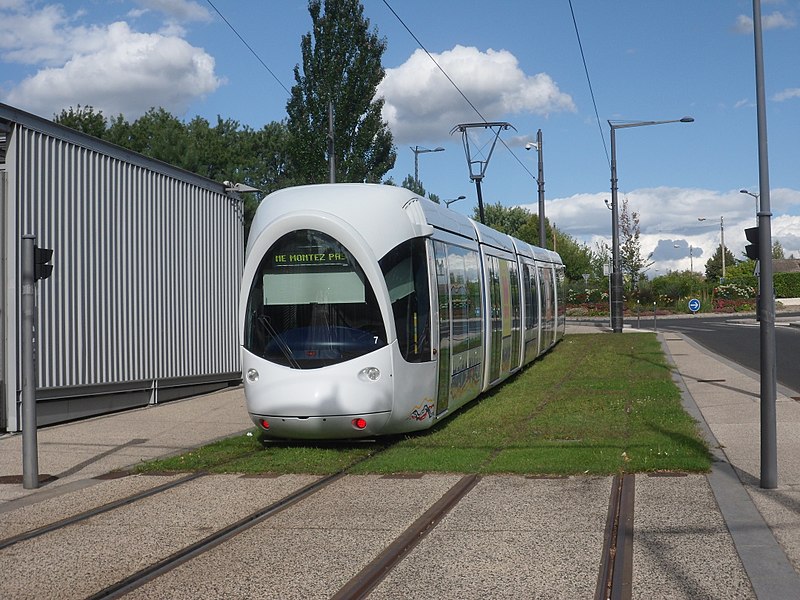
x=141, y=306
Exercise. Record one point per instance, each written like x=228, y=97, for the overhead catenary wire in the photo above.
x=589, y=81
x=253, y=52
x=454, y=84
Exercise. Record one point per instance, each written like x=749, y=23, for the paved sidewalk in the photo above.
x=76, y=452
x=707, y=512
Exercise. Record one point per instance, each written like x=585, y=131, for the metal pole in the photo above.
x=30, y=453
x=655, y=325
x=540, y=181
x=331, y=155
x=415, y=149
x=769, y=443
x=722, y=243
x=480, y=199
x=616, y=274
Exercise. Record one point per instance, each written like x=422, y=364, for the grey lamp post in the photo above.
x=616, y=273
x=754, y=196
x=417, y=150
x=540, y=186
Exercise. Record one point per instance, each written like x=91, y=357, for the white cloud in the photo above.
x=786, y=228
x=182, y=10
x=669, y=217
x=775, y=20
x=421, y=105
x=110, y=67
x=787, y=94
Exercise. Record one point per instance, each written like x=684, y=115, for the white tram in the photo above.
x=367, y=310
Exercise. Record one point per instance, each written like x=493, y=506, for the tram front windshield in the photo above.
x=310, y=304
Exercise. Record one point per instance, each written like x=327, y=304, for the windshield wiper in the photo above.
x=284, y=347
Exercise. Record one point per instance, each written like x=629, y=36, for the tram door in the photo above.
x=445, y=333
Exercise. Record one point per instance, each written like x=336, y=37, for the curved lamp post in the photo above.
x=417, y=150
x=749, y=193
x=447, y=203
x=616, y=273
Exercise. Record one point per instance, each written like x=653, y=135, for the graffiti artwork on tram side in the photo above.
x=422, y=411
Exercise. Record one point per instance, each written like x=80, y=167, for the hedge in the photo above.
x=787, y=285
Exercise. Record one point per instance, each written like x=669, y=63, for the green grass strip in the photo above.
x=596, y=404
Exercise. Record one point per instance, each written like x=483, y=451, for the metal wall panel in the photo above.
x=146, y=273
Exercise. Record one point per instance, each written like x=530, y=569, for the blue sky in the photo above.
x=517, y=61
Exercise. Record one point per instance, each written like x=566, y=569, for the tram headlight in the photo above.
x=252, y=375
x=369, y=374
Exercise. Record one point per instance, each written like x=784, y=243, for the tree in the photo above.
x=630, y=250
x=777, y=250
x=342, y=66
x=522, y=224
x=83, y=119
x=416, y=186
x=508, y=219
x=714, y=264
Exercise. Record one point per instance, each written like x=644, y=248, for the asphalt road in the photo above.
x=737, y=338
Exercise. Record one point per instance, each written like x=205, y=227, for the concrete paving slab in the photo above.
x=681, y=545
x=511, y=537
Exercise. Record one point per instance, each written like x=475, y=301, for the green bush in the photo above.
x=787, y=285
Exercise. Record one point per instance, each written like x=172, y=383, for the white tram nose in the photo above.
x=352, y=399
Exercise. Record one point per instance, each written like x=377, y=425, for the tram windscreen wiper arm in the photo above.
x=287, y=352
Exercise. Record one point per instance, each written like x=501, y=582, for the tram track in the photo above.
x=182, y=555
x=165, y=565
x=370, y=576
x=613, y=581
x=615, y=578
x=93, y=512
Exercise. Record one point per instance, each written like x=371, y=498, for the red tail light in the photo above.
x=264, y=423
x=359, y=423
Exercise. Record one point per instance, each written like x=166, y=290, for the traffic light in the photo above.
x=751, y=233
x=42, y=269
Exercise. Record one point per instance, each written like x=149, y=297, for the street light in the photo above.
x=447, y=203
x=417, y=150
x=616, y=274
x=540, y=184
x=721, y=240
x=754, y=196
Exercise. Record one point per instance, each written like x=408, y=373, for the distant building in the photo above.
x=785, y=265
x=141, y=306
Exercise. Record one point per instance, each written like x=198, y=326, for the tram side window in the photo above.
x=405, y=269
